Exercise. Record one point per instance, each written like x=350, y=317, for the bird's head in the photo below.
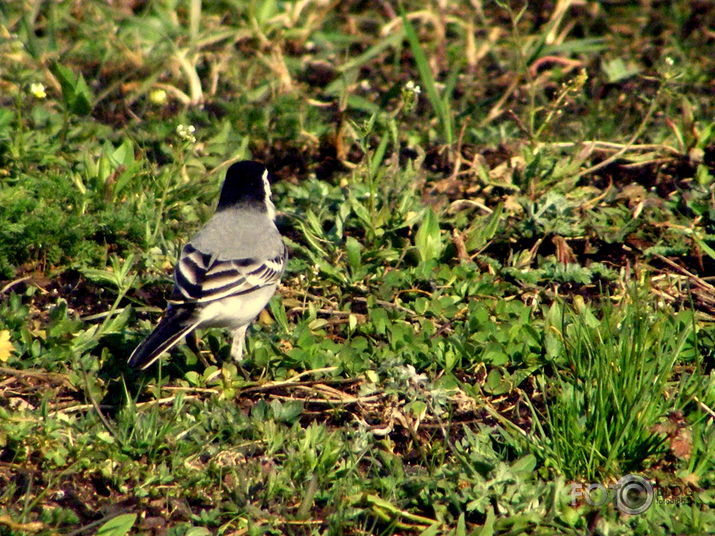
x=246, y=184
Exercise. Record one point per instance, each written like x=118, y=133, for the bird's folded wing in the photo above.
x=202, y=278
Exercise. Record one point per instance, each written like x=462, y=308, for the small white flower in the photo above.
x=38, y=91
x=669, y=61
x=186, y=132
x=414, y=88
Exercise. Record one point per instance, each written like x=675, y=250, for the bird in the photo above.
x=227, y=272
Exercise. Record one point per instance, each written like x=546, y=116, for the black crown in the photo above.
x=243, y=185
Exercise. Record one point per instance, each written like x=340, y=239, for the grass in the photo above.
x=613, y=365
x=499, y=288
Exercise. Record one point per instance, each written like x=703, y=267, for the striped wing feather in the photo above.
x=202, y=278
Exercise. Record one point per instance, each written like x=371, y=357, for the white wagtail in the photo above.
x=227, y=272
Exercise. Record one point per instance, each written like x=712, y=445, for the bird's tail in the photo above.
x=173, y=326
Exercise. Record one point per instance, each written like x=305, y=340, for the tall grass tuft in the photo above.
x=619, y=382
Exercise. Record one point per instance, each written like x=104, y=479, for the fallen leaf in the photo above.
x=680, y=439
x=681, y=444
x=692, y=479
x=512, y=205
x=504, y=172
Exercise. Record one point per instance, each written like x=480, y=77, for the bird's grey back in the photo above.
x=239, y=233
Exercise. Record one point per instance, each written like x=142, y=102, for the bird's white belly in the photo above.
x=235, y=311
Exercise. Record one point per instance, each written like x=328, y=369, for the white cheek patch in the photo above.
x=266, y=184
x=270, y=208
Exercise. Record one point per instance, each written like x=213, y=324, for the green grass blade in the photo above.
x=427, y=79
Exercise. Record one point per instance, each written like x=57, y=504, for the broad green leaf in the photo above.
x=488, y=527
x=117, y=526
x=67, y=82
x=461, y=529
x=279, y=313
x=353, y=247
x=124, y=154
x=83, y=97
x=264, y=10
x=198, y=531
x=117, y=323
x=525, y=464
x=432, y=530
x=75, y=92
x=6, y=118
x=428, y=239
x=616, y=70
x=484, y=230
